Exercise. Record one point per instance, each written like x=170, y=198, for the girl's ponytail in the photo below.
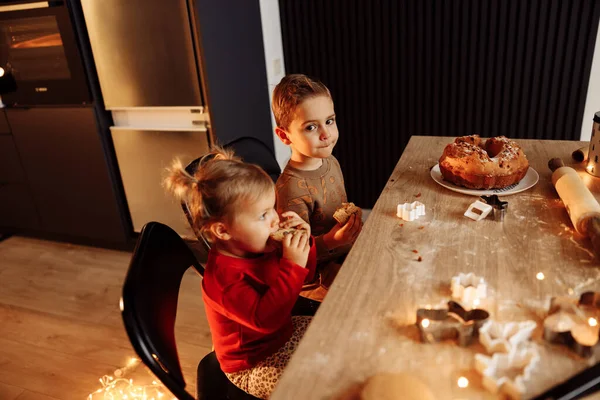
x=219, y=182
x=178, y=182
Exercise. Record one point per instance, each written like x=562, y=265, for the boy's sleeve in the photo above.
x=311, y=264
x=292, y=195
x=323, y=252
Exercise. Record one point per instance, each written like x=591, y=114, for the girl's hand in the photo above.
x=296, y=247
x=293, y=220
x=343, y=235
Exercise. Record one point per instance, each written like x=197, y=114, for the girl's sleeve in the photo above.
x=265, y=310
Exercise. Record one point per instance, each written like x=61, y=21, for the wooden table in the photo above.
x=366, y=324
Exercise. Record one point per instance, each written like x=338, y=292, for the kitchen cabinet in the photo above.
x=67, y=172
x=143, y=156
x=17, y=210
x=11, y=170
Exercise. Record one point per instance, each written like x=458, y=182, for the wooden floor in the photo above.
x=60, y=324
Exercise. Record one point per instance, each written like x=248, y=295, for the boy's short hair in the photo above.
x=290, y=92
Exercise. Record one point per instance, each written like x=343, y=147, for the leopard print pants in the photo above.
x=261, y=379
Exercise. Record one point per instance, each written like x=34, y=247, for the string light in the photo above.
x=592, y=321
x=425, y=323
x=462, y=382
x=118, y=388
x=540, y=276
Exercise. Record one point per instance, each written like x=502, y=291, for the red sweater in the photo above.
x=248, y=305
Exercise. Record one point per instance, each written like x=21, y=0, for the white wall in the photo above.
x=271, y=28
x=592, y=102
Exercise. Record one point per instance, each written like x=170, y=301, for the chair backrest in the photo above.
x=149, y=302
x=250, y=150
x=254, y=151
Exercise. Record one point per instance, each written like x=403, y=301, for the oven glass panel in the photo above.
x=33, y=49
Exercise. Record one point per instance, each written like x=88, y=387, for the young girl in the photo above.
x=249, y=287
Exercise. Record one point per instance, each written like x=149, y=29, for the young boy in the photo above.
x=312, y=183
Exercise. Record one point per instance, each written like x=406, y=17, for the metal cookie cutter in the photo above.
x=574, y=323
x=478, y=211
x=498, y=206
x=454, y=322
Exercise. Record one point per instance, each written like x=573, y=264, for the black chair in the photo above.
x=149, y=309
x=250, y=150
x=254, y=151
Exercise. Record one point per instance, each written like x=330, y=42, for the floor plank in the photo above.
x=27, y=395
x=60, y=325
x=76, y=281
x=9, y=392
x=48, y=372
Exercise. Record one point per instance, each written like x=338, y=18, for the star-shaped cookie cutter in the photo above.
x=468, y=289
x=574, y=323
x=507, y=373
x=499, y=207
x=498, y=337
x=410, y=211
x=454, y=322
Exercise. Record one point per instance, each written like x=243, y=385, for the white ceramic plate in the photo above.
x=530, y=179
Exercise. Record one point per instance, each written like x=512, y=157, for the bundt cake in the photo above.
x=495, y=163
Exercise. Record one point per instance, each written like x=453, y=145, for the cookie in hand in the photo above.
x=345, y=211
x=280, y=234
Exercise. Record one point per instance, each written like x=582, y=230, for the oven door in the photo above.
x=38, y=48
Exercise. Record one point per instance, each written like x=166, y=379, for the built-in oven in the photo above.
x=39, y=57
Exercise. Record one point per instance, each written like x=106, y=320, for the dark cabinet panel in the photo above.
x=4, y=127
x=66, y=170
x=17, y=209
x=10, y=165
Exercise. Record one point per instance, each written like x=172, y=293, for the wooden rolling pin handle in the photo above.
x=593, y=230
x=555, y=164
x=581, y=154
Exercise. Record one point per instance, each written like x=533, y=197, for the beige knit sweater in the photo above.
x=314, y=196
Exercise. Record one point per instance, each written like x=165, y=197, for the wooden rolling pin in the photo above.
x=582, y=206
x=581, y=154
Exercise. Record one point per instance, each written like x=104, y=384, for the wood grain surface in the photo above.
x=60, y=325
x=366, y=324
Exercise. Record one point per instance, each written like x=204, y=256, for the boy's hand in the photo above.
x=343, y=235
x=296, y=247
x=293, y=220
